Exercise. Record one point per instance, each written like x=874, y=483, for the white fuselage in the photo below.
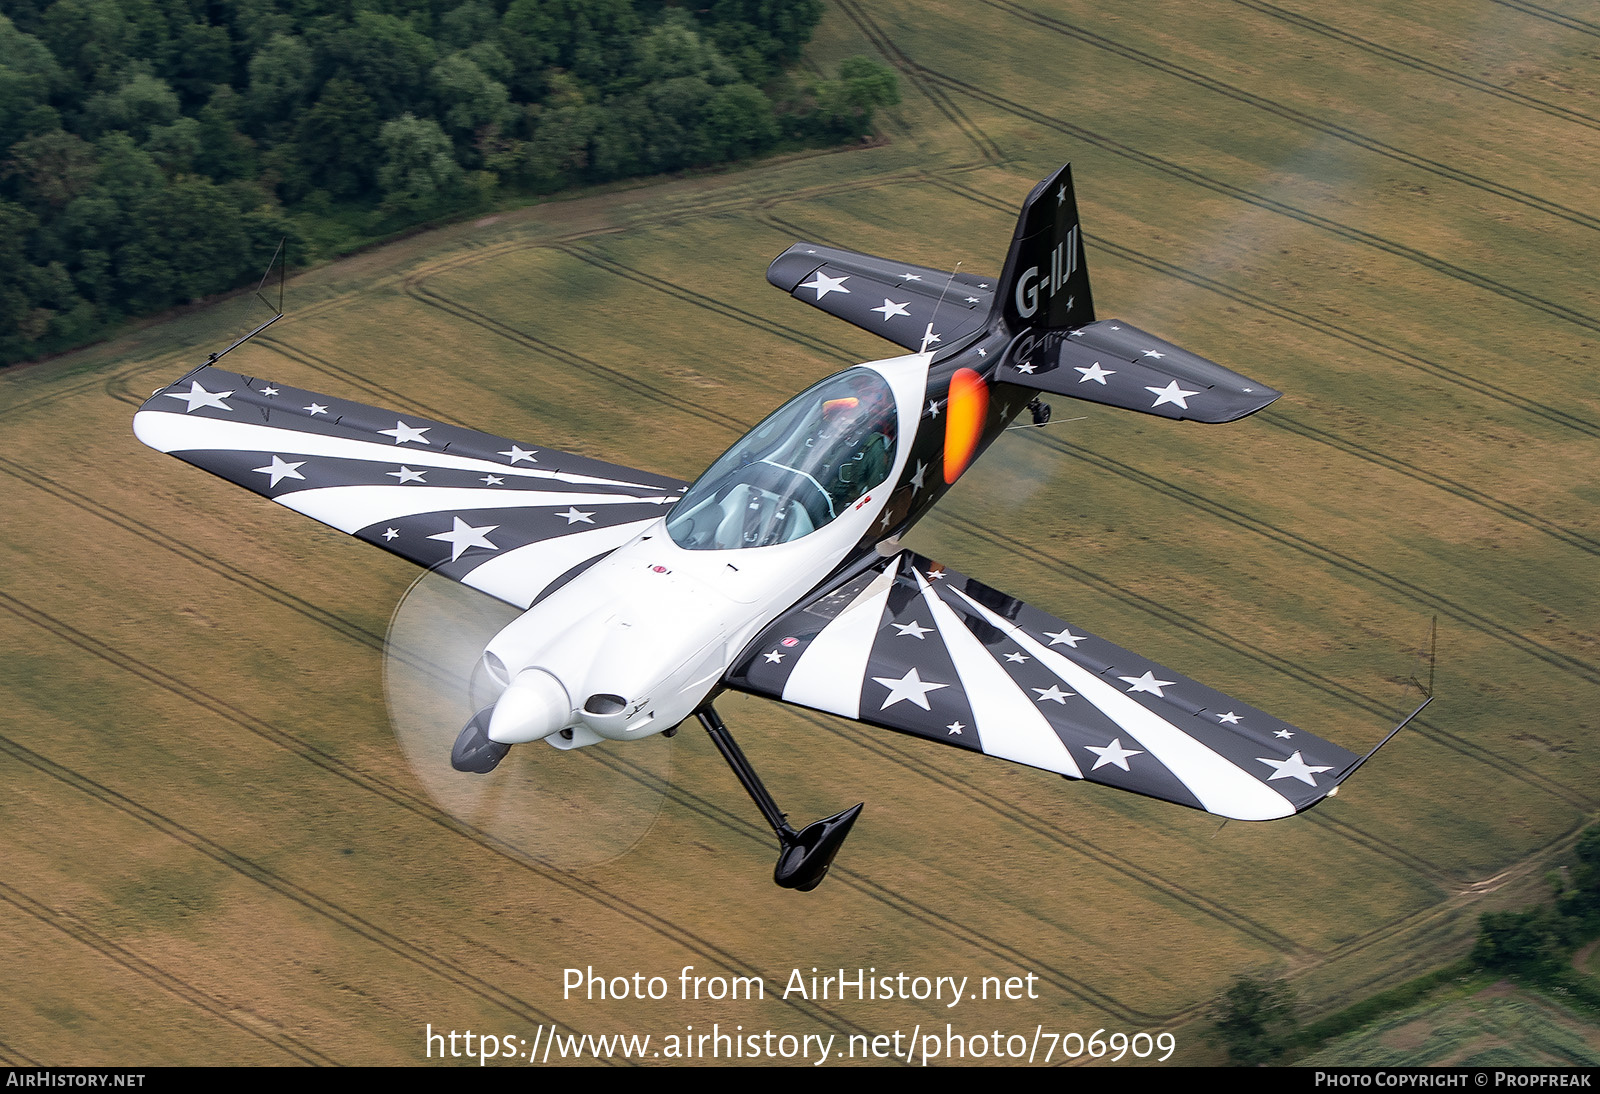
x=634, y=644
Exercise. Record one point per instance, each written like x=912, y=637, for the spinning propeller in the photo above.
x=570, y=811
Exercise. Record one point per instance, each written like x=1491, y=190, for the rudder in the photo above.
x=1045, y=284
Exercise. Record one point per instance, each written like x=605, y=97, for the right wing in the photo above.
x=913, y=647
x=511, y=521
x=905, y=304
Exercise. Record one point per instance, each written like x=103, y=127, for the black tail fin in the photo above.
x=1045, y=284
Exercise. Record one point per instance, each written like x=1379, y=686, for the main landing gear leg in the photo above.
x=803, y=856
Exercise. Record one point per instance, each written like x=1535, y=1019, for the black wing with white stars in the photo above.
x=912, y=306
x=486, y=511
x=913, y=647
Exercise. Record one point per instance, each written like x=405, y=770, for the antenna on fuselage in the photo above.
x=928, y=337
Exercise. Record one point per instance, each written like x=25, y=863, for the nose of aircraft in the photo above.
x=532, y=708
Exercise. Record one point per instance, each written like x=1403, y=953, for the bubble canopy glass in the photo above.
x=796, y=471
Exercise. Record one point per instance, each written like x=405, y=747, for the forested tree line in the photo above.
x=154, y=152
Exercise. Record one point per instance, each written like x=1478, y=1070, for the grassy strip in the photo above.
x=1316, y=1035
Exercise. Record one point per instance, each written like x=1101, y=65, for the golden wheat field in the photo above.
x=226, y=835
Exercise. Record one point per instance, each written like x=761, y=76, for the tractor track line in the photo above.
x=236, y=863
x=903, y=905
x=1372, y=575
x=941, y=102
x=1418, y=64
x=69, y=926
x=163, y=681
x=1550, y=15
x=1551, y=414
x=1296, y=117
x=1338, y=229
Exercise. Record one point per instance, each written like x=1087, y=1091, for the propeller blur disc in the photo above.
x=567, y=809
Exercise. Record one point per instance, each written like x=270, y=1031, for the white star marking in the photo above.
x=316, y=408
x=575, y=517
x=1028, y=368
x=983, y=284
x=1064, y=637
x=520, y=454
x=1017, y=657
x=913, y=628
x=405, y=475
x=198, y=396
x=1054, y=694
x=955, y=729
x=493, y=480
x=935, y=575
x=928, y=339
x=463, y=535
x=1096, y=373
x=280, y=470
x=972, y=299
x=1061, y=196
x=1292, y=768
x=1231, y=718
x=403, y=433
x=916, y=479
x=1172, y=393
x=911, y=277
x=982, y=352
x=1284, y=733
x=1075, y=334
x=933, y=409
x=1113, y=753
x=1147, y=682
x=824, y=284
x=774, y=657
x=891, y=309
x=390, y=533
x=269, y=390
x=1153, y=353
x=909, y=686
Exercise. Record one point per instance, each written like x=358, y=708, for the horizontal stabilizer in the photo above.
x=1119, y=365
x=895, y=300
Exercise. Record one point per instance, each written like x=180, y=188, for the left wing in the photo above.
x=913, y=647
x=483, y=510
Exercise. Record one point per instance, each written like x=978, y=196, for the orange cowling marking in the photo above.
x=963, y=421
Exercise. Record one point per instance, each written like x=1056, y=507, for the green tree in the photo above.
x=48, y=171
x=141, y=103
x=845, y=106
x=1530, y=942
x=469, y=98
x=280, y=82
x=1254, y=1020
x=387, y=58
x=337, y=140
x=739, y=122
x=419, y=170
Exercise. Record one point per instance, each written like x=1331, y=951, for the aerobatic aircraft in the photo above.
x=779, y=572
